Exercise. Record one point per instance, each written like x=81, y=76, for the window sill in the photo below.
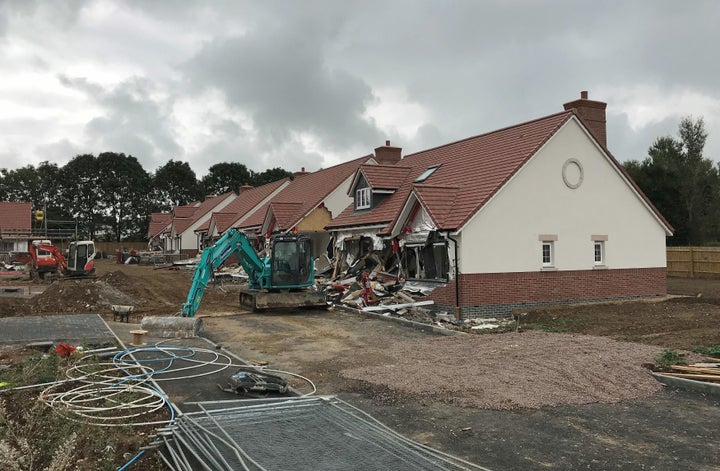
x=600, y=267
x=549, y=269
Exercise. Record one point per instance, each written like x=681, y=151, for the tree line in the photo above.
x=111, y=196
x=682, y=184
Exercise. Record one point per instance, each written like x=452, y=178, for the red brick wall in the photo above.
x=546, y=286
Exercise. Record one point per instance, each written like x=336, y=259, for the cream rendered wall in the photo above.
x=503, y=236
x=338, y=199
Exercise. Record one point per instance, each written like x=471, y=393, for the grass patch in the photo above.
x=670, y=357
x=34, y=436
x=709, y=351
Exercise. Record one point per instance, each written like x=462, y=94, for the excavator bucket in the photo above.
x=172, y=326
x=258, y=300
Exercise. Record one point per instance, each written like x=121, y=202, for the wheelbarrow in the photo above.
x=123, y=312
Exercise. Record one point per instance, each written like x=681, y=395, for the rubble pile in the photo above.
x=375, y=283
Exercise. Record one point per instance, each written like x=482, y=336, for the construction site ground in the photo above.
x=576, y=398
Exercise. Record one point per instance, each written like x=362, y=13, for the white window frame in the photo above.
x=363, y=198
x=550, y=245
x=599, y=249
x=547, y=241
x=599, y=242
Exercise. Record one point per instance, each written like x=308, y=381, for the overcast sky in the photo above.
x=310, y=84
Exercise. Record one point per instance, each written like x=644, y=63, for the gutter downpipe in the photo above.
x=457, y=279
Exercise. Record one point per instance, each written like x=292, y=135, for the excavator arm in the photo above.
x=57, y=255
x=232, y=242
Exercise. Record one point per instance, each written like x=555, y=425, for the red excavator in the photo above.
x=46, y=258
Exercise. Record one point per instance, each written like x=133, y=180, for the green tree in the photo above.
x=270, y=175
x=21, y=184
x=682, y=184
x=49, y=185
x=123, y=195
x=79, y=195
x=225, y=177
x=173, y=184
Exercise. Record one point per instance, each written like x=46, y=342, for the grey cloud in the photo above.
x=81, y=84
x=134, y=122
x=238, y=149
x=281, y=76
x=63, y=13
x=61, y=151
x=313, y=67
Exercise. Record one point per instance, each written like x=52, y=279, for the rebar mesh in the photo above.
x=318, y=433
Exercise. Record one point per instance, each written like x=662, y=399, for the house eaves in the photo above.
x=310, y=190
x=381, y=178
x=159, y=224
x=193, y=216
x=433, y=199
x=284, y=214
x=248, y=202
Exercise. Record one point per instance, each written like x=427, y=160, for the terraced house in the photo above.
x=533, y=214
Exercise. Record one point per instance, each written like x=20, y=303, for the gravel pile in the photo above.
x=516, y=370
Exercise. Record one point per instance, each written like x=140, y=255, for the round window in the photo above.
x=572, y=173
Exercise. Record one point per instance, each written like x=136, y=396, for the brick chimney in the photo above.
x=387, y=154
x=300, y=173
x=592, y=114
x=244, y=187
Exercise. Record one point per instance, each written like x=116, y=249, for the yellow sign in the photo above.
x=39, y=215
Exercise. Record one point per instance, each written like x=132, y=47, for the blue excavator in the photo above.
x=284, y=279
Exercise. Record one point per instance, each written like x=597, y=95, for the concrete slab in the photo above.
x=75, y=329
x=702, y=387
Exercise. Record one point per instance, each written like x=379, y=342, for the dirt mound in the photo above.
x=77, y=296
x=117, y=279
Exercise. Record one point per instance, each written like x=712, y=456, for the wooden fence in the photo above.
x=693, y=262
x=111, y=247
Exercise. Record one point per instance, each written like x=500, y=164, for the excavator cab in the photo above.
x=81, y=256
x=292, y=263
x=285, y=279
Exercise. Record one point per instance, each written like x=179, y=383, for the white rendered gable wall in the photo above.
x=504, y=235
x=338, y=199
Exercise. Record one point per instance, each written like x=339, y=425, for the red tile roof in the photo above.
x=307, y=192
x=159, y=222
x=385, y=177
x=186, y=216
x=15, y=220
x=436, y=200
x=223, y=220
x=477, y=166
x=285, y=214
x=247, y=201
x=185, y=211
x=256, y=219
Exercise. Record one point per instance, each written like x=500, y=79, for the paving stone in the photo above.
x=72, y=328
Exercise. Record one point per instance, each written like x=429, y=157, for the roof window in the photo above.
x=426, y=174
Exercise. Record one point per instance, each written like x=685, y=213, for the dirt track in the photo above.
x=450, y=392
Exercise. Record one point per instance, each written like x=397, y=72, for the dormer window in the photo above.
x=363, y=198
x=426, y=174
